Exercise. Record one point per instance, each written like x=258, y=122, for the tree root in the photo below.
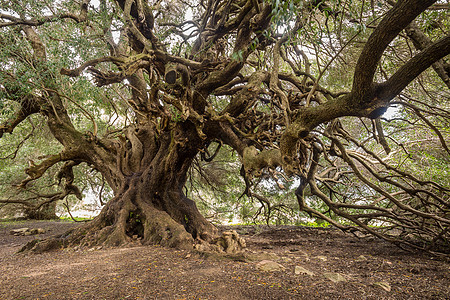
x=230, y=242
x=148, y=226
x=39, y=246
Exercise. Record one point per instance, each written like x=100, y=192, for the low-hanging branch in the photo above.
x=239, y=74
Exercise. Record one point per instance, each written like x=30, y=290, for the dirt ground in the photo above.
x=159, y=273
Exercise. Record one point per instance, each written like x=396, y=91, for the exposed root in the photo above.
x=162, y=229
x=157, y=231
x=126, y=223
x=230, y=242
x=38, y=246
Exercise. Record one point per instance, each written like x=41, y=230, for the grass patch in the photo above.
x=78, y=219
x=14, y=221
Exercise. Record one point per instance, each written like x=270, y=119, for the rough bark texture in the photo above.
x=149, y=206
x=239, y=82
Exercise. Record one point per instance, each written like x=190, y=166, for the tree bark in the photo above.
x=149, y=206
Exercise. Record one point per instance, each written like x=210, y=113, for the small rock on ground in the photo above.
x=300, y=270
x=27, y=231
x=269, y=266
x=335, y=277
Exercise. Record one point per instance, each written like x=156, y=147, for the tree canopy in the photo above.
x=347, y=99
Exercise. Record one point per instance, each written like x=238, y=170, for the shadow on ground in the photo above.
x=303, y=258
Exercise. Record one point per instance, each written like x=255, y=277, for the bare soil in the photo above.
x=154, y=272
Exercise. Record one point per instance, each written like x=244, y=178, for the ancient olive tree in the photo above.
x=297, y=88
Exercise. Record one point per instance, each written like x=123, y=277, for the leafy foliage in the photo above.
x=271, y=111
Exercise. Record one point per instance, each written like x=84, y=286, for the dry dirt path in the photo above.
x=160, y=273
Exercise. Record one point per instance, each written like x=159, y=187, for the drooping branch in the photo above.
x=406, y=210
x=36, y=171
x=274, y=80
x=90, y=63
x=396, y=19
x=402, y=174
x=430, y=125
x=347, y=158
x=381, y=137
x=66, y=173
x=39, y=199
x=415, y=66
x=13, y=154
x=421, y=41
x=230, y=86
x=81, y=17
x=28, y=106
x=29, y=202
x=356, y=103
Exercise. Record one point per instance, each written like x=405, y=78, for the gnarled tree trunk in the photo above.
x=240, y=83
x=149, y=205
